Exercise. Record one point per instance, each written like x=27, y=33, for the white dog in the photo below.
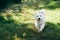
x=40, y=20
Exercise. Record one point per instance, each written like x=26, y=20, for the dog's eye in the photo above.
x=37, y=16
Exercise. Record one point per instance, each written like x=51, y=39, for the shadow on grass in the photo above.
x=11, y=31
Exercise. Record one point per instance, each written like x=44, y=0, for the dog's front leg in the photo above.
x=42, y=27
x=36, y=25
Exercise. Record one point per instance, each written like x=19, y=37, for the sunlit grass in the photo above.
x=53, y=15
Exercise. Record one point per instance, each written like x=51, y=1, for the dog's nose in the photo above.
x=39, y=19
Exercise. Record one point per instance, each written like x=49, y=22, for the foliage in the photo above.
x=34, y=4
x=54, y=4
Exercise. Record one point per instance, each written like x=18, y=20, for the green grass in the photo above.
x=22, y=26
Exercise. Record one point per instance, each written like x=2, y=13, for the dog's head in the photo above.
x=40, y=15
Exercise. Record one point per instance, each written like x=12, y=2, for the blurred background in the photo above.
x=17, y=19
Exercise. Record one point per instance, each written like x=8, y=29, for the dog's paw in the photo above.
x=39, y=30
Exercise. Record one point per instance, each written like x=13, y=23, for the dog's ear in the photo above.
x=42, y=11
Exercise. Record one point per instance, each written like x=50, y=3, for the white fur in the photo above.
x=40, y=24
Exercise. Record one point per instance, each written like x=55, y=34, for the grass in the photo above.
x=53, y=15
x=22, y=26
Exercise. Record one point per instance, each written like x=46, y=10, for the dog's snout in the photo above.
x=39, y=19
